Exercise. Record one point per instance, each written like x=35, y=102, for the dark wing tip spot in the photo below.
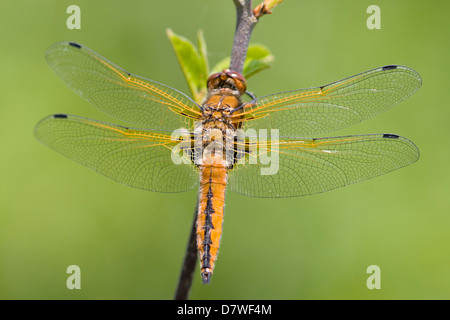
x=76, y=45
x=60, y=116
x=391, y=67
x=390, y=136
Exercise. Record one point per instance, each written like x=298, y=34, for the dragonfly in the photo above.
x=176, y=144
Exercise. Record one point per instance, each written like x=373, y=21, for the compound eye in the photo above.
x=239, y=80
x=227, y=79
x=213, y=77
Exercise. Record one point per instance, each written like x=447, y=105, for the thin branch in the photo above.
x=247, y=18
x=188, y=268
x=244, y=27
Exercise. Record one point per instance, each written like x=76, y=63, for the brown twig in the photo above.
x=247, y=18
x=188, y=268
x=244, y=27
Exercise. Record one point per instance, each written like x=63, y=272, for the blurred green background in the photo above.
x=130, y=243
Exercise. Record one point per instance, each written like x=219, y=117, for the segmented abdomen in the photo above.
x=213, y=181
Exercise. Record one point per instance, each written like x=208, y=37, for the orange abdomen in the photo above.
x=213, y=180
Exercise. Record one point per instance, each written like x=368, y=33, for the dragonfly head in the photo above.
x=227, y=79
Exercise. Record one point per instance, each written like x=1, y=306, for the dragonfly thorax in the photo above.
x=220, y=104
x=218, y=127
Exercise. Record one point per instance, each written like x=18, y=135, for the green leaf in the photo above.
x=192, y=61
x=260, y=52
x=201, y=43
x=258, y=59
x=252, y=67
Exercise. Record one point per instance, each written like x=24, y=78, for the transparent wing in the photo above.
x=297, y=167
x=135, y=157
x=334, y=106
x=119, y=93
